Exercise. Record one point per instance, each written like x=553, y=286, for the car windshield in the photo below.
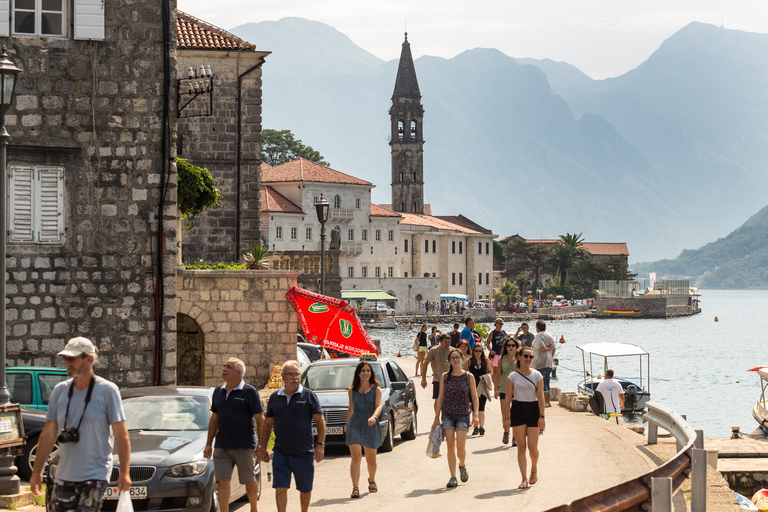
x=328, y=377
x=166, y=413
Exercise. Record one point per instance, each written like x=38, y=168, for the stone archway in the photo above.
x=190, y=350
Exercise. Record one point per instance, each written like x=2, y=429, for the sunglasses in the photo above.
x=527, y=356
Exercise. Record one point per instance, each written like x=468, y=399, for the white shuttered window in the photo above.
x=36, y=204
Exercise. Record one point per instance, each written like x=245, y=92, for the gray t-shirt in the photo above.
x=542, y=359
x=91, y=457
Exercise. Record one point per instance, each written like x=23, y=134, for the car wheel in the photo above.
x=410, y=434
x=389, y=439
x=26, y=462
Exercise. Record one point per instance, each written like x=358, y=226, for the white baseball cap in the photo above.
x=77, y=346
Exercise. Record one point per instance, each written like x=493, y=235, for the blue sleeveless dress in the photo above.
x=358, y=431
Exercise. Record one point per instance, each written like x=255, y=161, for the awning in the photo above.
x=453, y=296
x=612, y=349
x=370, y=295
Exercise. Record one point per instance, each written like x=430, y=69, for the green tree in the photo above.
x=565, y=254
x=508, y=291
x=522, y=283
x=196, y=190
x=522, y=256
x=280, y=146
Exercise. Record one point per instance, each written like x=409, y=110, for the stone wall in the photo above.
x=212, y=142
x=241, y=313
x=650, y=307
x=95, y=108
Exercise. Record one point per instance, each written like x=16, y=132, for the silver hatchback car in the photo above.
x=330, y=380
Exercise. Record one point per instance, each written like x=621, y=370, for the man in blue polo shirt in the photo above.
x=466, y=332
x=290, y=411
x=237, y=417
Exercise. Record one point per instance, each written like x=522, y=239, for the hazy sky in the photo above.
x=603, y=38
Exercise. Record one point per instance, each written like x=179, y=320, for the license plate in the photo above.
x=331, y=431
x=135, y=492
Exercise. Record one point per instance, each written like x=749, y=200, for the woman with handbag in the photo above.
x=479, y=365
x=457, y=397
x=526, y=414
x=420, y=346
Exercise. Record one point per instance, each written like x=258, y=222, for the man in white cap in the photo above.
x=86, y=417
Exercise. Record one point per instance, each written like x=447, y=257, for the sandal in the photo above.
x=523, y=485
x=533, y=478
x=355, y=492
x=372, y=486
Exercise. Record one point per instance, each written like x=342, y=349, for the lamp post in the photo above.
x=9, y=482
x=322, y=207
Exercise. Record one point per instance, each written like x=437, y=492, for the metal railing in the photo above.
x=653, y=490
x=342, y=214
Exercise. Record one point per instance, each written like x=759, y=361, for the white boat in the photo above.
x=381, y=324
x=595, y=361
x=760, y=410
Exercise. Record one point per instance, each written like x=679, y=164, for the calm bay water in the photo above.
x=698, y=366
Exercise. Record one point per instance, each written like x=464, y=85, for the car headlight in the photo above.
x=193, y=468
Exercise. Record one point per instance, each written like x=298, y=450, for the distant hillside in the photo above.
x=667, y=156
x=740, y=260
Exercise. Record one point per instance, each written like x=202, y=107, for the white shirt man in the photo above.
x=613, y=393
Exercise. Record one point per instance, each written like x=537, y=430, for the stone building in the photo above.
x=221, y=131
x=92, y=185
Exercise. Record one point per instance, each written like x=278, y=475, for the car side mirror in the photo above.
x=397, y=386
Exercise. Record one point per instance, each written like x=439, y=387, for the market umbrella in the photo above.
x=330, y=322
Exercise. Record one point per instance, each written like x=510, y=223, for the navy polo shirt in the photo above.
x=234, y=413
x=293, y=420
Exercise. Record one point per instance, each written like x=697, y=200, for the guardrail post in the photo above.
x=699, y=442
x=712, y=456
x=661, y=494
x=653, y=433
x=699, y=481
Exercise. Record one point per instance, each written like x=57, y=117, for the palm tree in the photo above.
x=507, y=290
x=256, y=258
x=521, y=281
x=565, y=253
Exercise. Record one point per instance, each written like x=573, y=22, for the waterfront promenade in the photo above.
x=580, y=454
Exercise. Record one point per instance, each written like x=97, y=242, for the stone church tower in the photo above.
x=407, y=141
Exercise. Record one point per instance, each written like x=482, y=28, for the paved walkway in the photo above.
x=580, y=454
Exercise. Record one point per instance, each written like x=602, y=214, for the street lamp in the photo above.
x=9, y=483
x=322, y=207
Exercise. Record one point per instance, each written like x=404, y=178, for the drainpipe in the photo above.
x=238, y=156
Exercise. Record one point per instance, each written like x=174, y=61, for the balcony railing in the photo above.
x=342, y=214
x=355, y=247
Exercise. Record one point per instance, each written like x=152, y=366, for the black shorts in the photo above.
x=524, y=413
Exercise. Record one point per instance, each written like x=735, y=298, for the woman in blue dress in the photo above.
x=362, y=428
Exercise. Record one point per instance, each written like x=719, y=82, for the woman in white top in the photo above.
x=526, y=414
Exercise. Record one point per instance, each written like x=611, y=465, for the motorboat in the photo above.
x=595, y=362
x=380, y=323
x=760, y=411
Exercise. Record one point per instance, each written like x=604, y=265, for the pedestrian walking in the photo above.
x=508, y=364
x=456, y=398
x=362, y=426
x=480, y=368
x=434, y=337
x=544, y=352
x=438, y=358
x=420, y=342
x=495, y=344
x=290, y=410
x=86, y=418
x=526, y=414
x=465, y=353
x=235, y=420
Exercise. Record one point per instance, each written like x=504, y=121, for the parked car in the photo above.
x=314, y=352
x=168, y=428
x=34, y=422
x=381, y=309
x=31, y=386
x=330, y=380
x=302, y=358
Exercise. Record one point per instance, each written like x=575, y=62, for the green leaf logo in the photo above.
x=318, y=307
x=346, y=328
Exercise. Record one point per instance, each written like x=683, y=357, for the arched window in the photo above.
x=413, y=130
x=337, y=202
x=400, y=129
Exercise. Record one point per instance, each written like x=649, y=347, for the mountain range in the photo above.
x=669, y=155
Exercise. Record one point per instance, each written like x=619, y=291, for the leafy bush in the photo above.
x=197, y=190
x=199, y=265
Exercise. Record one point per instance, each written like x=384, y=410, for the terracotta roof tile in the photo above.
x=460, y=219
x=436, y=223
x=304, y=170
x=274, y=201
x=596, y=248
x=195, y=34
x=427, y=208
x=382, y=211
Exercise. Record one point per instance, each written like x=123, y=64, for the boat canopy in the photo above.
x=453, y=296
x=612, y=349
x=369, y=295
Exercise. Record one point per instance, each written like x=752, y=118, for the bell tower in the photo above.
x=406, y=138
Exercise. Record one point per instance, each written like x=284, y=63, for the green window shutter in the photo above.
x=21, y=204
x=50, y=221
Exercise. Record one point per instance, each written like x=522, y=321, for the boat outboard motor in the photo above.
x=630, y=398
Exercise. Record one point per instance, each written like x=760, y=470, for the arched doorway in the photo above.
x=190, y=350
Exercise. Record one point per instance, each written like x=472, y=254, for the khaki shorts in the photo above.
x=225, y=459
